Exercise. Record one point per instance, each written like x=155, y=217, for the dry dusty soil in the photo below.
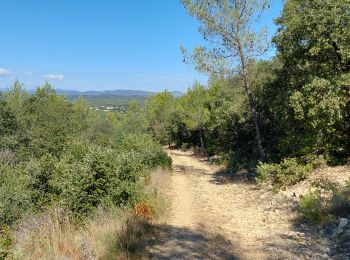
x=212, y=216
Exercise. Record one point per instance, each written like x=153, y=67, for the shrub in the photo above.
x=185, y=146
x=315, y=208
x=40, y=173
x=5, y=242
x=288, y=172
x=150, y=152
x=15, y=196
x=325, y=202
x=101, y=177
x=143, y=210
x=83, y=184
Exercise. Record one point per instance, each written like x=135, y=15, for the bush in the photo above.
x=288, y=172
x=150, y=152
x=185, y=146
x=15, y=196
x=315, y=208
x=102, y=176
x=5, y=242
x=325, y=202
x=143, y=210
x=56, y=153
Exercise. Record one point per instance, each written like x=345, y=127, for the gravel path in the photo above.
x=214, y=217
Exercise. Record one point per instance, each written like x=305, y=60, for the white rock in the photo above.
x=343, y=222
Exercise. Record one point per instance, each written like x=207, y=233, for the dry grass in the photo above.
x=143, y=210
x=46, y=236
x=110, y=234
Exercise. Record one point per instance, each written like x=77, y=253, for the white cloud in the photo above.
x=29, y=73
x=54, y=77
x=4, y=72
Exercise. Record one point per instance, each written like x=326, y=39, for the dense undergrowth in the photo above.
x=61, y=156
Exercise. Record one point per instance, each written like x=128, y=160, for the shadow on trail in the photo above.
x=304, y=242
x=186, y=243
x=227, y=177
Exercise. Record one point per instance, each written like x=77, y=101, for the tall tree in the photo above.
x=228, y=25
x=313, y=37
x=158, y=110
x=313, y=43
x=195, y=110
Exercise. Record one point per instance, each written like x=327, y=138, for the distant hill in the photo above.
x=111, y=93
x=105, y=93
x=120, y=98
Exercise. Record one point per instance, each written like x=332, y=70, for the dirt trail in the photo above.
x=213, y=217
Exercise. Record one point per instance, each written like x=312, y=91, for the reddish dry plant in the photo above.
x=143, y=210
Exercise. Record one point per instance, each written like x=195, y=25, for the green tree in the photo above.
x=313, y=37
x=49, y=122
x=227, y=26
x=8, y=120
x=158, y=110
x=195, y=110
x=313, y=43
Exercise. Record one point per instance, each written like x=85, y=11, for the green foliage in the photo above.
x=151, y=157
x=314, y=208
x=319, y=106
x=194, y=105
x=158, y=110
x=41, y=172
x=286, y=173
x=54, y=152
x=195, y=110
x=313, y=37
x=5, y=242
x=313, y=45
x=325, y=202
x=15, y=196
x=8, y=121
x=87, y=183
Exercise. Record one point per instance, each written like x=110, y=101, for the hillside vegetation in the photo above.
x=61, y=156
x=78, y=184
x=273, y=121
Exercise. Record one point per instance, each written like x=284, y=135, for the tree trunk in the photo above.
x=252, y=104
x=201, y=139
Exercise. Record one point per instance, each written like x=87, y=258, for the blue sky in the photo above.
x=86, y=44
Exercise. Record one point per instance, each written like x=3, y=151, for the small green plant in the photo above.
x=288, y=172
x=325, y=202
x=315, y=208
x=5, y=242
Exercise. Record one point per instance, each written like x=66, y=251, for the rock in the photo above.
x=337, y=232
x=347, y=235
x=343, y=223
